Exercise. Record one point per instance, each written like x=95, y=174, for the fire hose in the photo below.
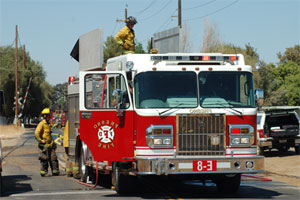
x=96, y=181
x=254, y=178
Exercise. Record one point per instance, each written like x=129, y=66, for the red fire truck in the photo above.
x=189, y=115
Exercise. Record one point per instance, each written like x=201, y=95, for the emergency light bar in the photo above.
x=194, y=58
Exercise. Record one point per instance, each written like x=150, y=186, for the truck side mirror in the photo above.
x=259, y=96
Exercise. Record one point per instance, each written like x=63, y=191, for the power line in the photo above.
x=214, y=12
x=19, y=40
x=151, y=4
x=168, y=20
x=114, y=28
x=199, y=5
x=157, y=11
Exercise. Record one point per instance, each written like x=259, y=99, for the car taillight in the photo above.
x=261, y=133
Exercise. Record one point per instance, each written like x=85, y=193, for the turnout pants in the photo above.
x=47, y=156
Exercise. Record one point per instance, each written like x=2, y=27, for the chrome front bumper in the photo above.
x=165, y=166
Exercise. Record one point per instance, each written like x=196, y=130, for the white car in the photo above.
x=278, y=128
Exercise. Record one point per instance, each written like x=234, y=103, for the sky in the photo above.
x=50, y=28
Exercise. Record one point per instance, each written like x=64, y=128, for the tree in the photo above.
x=111, y=48
x=40, y=92
x=265, y=79
x=211, y=41
x=288, y=76
x=139, y=48
x=186, y=44
x=59, y=97
x=290, y=54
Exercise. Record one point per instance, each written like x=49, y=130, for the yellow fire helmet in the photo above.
x=46, y=111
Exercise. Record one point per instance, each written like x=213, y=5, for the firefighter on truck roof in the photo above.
x=125, y=37
x=46, y=145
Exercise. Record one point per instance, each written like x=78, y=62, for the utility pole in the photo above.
x=123, y=20
x=24, y=59
x=179, y=13
x=16, y=77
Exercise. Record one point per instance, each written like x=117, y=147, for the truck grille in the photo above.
x=201, y=135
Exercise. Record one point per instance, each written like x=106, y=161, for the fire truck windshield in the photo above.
x=226, y=89
x=217, y=89
x=166, y=90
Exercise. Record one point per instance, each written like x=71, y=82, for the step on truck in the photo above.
x=177, y=115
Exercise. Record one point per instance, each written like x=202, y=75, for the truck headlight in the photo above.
x=241, y=135
x=245, y=140
x=159, y=136
x=235, y=141
x=157, y=141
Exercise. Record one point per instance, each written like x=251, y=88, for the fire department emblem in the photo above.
x=105, y=130
x=106, y=134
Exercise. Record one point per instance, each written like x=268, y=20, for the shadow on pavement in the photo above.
x=14, y=185
x=275, y=153
x=195, y=189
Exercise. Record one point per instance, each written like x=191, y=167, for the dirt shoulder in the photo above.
x=10, y=134
x=283, y=167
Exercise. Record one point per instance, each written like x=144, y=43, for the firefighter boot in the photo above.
x=43, y=173
x=55, y=172
x=69, y=168
x=75, y=170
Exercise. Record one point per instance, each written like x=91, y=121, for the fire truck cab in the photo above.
x=189, y=115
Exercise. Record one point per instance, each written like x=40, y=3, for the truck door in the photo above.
x=106, y=115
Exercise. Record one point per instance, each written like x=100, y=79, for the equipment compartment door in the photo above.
x=106, y=115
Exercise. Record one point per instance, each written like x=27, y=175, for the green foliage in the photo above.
x=264, y=79
x=139, y=48
x=40, y=92
x=59, y=97
x=288, y=75
x=282, y=83
x=111, y=48
x=290, y=54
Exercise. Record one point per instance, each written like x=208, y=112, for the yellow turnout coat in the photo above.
x=125, y=38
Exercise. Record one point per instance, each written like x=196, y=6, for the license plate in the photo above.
x=282, y=141
x=204, y=165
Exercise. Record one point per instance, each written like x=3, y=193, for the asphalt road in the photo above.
x=21, y=180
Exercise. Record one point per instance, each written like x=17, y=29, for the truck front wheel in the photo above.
x=228, y=183
x=297, y=150
x=123, y=183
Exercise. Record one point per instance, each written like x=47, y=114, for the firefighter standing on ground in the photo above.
x=46, y=145
x=125, y=37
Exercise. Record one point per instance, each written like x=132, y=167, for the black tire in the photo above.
x=1, y=186
x=228, y=184
x=297, y=150
x=104, y=180
x=283, y=149
x=123, y=183
x=83, y=169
